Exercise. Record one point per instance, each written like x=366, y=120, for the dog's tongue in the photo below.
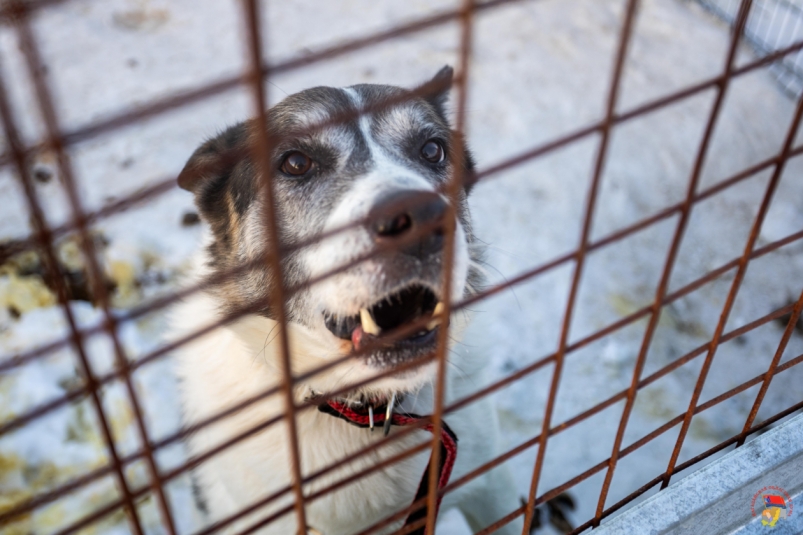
x=356, y=336
x=360, y=337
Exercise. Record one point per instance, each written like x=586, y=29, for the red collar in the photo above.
x=359, y=417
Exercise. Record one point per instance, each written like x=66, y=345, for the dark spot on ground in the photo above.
x=101, y=240
x=75, y=281
x=197, y=494
x=42, y=175
x=509, y=366
x=10, y=248
x=128, y=162
x=189, y=219
x=77, y=285
x=783, y=321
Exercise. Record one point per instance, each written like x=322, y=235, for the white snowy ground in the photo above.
x=540, y=69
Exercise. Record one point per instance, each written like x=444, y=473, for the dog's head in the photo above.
x=380, y=175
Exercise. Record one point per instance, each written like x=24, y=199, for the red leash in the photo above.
x=447, y=456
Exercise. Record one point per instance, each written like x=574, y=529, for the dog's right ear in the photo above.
x=215, y=158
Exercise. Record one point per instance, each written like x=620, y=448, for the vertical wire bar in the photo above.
x=613, y=94
x=735, y=285
x=44, y=97
x=450, y=232
x=666, y=275
x=45, y=239
x=787, y=334
x=261, y=149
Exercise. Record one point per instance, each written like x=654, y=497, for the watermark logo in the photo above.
x=776, y=505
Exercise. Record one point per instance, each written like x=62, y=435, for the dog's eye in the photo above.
x=296, y=163
x=432, y=151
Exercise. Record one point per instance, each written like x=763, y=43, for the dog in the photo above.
x=366, y=167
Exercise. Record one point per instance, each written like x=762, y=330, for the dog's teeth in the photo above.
x=368, y=324
x=435, y=321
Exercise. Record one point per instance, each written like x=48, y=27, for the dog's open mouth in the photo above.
x=412, y=304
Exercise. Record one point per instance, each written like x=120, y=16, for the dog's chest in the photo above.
x=330, y=441
x=218, y=372
x=331, y=451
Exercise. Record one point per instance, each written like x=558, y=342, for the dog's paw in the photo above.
x=558, y=507
x=556, y=513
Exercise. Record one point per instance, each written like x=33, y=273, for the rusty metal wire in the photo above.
x=261, y=152
x=17, y=13
x=588, y=217
x=453, y=188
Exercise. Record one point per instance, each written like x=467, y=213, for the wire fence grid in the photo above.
x=783, y=54
x=773, y=25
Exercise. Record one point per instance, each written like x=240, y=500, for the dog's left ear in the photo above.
x=436, y=91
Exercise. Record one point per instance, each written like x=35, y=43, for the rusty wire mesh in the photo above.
x=18, y=14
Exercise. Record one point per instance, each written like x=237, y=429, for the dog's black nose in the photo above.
x=414, y=218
